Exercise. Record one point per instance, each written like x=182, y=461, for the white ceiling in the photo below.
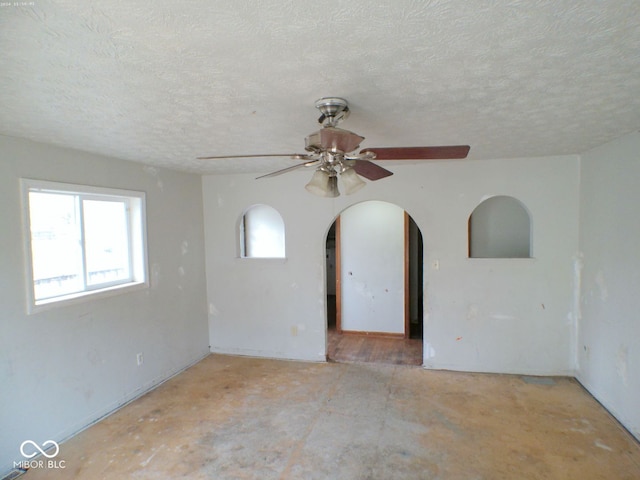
x=164, y=81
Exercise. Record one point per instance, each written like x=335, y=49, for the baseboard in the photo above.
x=131, y=397
x=372, y=334
x=112, y=408
x=614, y=416
x=245, y=352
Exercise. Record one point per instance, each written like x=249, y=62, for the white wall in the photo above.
x=266, y=307
x=609, y=330
x=64, y=368
x=372, y=270
x=492, y=315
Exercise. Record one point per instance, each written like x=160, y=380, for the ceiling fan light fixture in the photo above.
x=333, y=187
x=351, y=181
x=319, y=184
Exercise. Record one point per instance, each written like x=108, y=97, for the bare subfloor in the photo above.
x=245, y=418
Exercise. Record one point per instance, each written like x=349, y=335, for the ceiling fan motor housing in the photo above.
x=333, y=109
x=331, y=139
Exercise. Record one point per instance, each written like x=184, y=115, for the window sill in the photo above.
x=501, y=258
x=263, y=258
x=81, y=297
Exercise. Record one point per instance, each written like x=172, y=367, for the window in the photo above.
x=262, y=233
x=500, y=227
x=82, y=240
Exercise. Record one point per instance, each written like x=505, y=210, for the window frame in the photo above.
x=138, y=278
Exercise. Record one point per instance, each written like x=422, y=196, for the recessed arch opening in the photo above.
x=499, y=227
x=261, y=233
x=374, y=281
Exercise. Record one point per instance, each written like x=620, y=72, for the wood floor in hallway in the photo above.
x=345, y=347
x=246, y=418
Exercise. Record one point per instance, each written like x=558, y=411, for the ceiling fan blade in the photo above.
x=288, y=169
x=295, y=156
x=370, y=170
x=419, y=153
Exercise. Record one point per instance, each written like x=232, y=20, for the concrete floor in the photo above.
x=245, y=418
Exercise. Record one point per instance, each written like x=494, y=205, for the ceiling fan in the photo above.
x=332, y=151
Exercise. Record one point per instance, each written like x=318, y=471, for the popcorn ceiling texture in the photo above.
x=162, y=82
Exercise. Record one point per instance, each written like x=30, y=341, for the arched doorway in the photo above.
x=374, y=272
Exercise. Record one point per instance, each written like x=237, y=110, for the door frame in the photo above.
x=338, y=270
x=407, y=280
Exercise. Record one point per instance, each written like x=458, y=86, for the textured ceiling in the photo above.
x=162, y=82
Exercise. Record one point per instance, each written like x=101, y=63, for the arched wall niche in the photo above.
x=500, y=227
x=261, y=233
